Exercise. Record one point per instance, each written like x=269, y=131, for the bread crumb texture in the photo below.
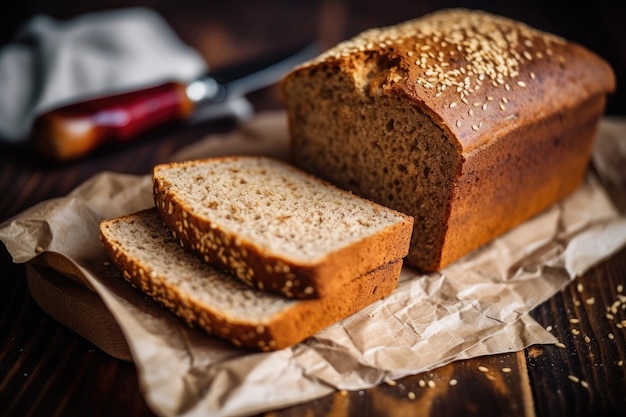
x=153, y=261
x=282, y=209
x=275, y=226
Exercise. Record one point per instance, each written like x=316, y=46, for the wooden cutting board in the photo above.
x=77, y=308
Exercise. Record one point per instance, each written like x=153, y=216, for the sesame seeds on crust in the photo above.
x=457, y=50
x=477, y=74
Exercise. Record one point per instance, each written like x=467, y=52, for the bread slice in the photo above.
x=153, y=261
x=276, y=227
x=468, y=121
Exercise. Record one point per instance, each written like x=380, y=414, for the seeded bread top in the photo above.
x=473, y=72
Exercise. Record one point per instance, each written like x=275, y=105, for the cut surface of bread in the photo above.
x=150, y=258
x=276, y=227
x=468, y=121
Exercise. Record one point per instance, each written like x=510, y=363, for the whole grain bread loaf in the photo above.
x=276, y=227
x=153, y=261
x=467, y=121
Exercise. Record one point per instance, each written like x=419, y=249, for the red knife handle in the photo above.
x=75, y=130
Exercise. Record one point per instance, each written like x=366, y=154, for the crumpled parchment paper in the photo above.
x=475, y=307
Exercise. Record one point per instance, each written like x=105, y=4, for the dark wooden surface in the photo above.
x=47, y=370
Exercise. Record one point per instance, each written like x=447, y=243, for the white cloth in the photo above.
x=52, y=63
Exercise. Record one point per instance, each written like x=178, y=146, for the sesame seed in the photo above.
x=579, y=288
x=390, y=382
x=620, y=288
x=574, y=321
x=458, y=123
x=521, y=84
x=611, y=336
x=506, y=370
x=587, y=339
x=453, y=382
x=411, y=395
x=573, y=378
x=590, y=300
x=421, y=383
x=453, y=104
x=38, y=249
x=483, y=369
x=475, y=127
x=431, y=383
x=620, y=362
x=559, y=345
x=584, y=384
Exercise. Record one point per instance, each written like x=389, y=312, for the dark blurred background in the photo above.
x=242, y=31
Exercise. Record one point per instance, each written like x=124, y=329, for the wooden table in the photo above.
x=47, y=370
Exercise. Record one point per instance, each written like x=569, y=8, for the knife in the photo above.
x=75, y=130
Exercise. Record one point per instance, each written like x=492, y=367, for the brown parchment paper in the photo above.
x=477, y=306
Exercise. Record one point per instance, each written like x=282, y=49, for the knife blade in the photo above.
x=73, y=131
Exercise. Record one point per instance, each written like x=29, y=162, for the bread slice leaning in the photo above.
x=276, y=227
x=153, y=261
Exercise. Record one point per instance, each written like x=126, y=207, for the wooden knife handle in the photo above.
x=73, y=131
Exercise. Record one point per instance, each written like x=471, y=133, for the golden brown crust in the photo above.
x=519, y=105
x=476, y=74
x=278, y=274
x=513, y=186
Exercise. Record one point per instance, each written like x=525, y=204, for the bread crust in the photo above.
x=268, y=271
x=519, y=105
x=296, y=321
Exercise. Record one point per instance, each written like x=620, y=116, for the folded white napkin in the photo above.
x=52, y=63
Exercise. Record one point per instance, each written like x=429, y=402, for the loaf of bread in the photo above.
x=153, y=261
x=467, y=121
x=276, y=227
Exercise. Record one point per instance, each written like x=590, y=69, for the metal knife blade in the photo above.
x=73, y=131
x=245, y=78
